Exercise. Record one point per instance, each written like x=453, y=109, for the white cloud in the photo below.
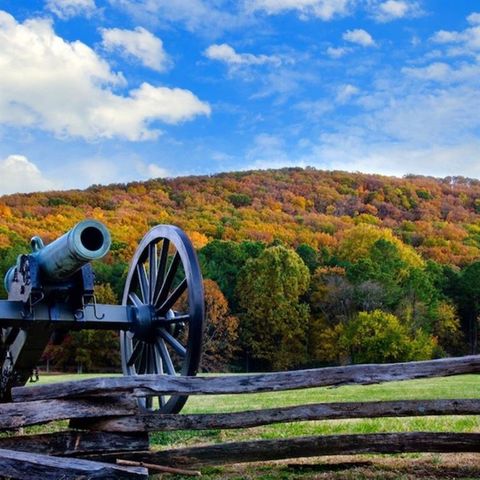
x=65, y=9
x=151, y=170
x=139, y=44
x=225, y=53
x=445, y=36
x=468, y=40
x=323, y=9
x=67, y=89
x=337, y=52
x=393, y=9
x=360, y=37
x=389, y=10
x=346, y=92
x=19, y=175
x=206, y=16
x=474, y=18
x=130, y=116
x=443, y=72
x=429, y=116
x=102, y=171
x=340, y=152
x=436, y=71
x=212, y=17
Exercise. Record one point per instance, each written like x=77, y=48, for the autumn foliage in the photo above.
x=299, y=263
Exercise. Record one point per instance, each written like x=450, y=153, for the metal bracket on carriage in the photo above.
x=88, y=300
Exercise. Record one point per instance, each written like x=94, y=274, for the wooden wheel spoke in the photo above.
x=151, y=360
x=181, y=317
x=138, y=350
x=152, y=271
x=162, y=265
x=172, y=299
x=168, y=282
x=144, y=360
x=173, y=342
x=143, y=282
x=156, y=360
x=159, y=361
x=167, y=360
x=134, y=299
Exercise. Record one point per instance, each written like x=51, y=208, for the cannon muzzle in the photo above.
x=86, y=241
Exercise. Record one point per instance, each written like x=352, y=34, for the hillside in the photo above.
x=440, y=218
x=304, y=267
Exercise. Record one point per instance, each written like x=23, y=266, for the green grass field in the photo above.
x=393, y=467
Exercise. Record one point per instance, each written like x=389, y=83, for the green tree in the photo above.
x=222, y=260
x=274, y=321
x=384, y=265
x=309, y=256
x=113, y=274
x=468, y=300
x=378, y=337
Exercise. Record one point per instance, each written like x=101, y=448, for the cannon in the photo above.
x=51, y=292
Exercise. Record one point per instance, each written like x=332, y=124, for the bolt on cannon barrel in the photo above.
x=87, y=241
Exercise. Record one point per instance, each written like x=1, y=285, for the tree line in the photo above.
x=272, y=307
x=302, y=267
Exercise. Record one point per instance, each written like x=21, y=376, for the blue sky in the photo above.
x=102, y=91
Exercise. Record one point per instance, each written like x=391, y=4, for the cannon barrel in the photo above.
x=86, y=241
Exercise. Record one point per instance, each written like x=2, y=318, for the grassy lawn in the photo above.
x=395, y=467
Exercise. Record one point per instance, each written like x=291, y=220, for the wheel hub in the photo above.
x=143, y=323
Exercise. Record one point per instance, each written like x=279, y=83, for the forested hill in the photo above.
x=440, y=218
x=317, y=262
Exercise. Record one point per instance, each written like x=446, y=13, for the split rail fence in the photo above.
x=107, y=436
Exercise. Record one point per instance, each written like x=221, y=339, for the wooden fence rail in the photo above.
x=15, y=415
x=299, y=447
x=109, y=425
x=270, y=382
x=254, y=418
x=23, y=465
x=76, y=443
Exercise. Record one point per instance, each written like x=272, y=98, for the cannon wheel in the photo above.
x=165, y=281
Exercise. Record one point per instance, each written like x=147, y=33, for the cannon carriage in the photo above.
x=51, y=291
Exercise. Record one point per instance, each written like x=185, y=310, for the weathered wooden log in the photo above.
x=72, y=443
x=330, y=376
x=265, y=450
x=15, y=415
x=33, y=466
x=150, y=422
